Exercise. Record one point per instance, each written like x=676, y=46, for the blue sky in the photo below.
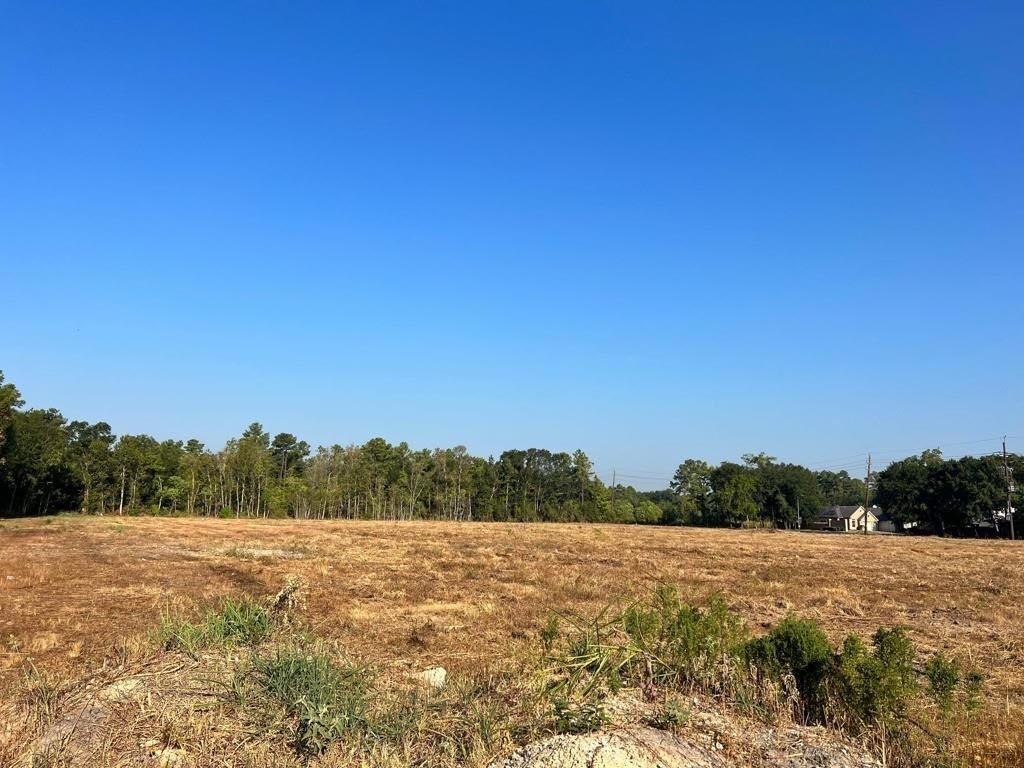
x=649, y=230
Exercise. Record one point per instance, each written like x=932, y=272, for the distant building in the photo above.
x=851, y=518
x=886, y=523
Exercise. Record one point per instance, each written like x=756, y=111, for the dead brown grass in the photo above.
x=409, y=595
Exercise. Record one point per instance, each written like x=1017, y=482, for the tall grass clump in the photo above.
x=241, y=621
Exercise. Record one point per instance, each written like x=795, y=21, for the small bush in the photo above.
x=797, y=649
x=661, y=642
x=972, y=685
x=874, y=684
x=327, y=701
x=687, y=644
x=943, y=677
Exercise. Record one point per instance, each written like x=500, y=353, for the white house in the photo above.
x=847, y=518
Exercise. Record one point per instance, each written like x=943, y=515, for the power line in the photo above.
x=838, y=464
x=840, y=461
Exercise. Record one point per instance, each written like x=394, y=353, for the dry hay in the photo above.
x=408, y=596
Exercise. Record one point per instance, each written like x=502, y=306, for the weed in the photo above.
x=549, y=634
x=290, y=598
x=663, y=642
x=327, y=701
x=671, y=715
x=578, y=717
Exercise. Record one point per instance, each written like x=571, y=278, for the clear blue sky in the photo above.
x=652, y=231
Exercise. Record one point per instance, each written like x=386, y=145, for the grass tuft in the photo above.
x=242, y=621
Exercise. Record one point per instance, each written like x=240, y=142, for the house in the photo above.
x=850, y=518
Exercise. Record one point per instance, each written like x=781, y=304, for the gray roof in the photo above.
x=838, y=513
x=845, y=513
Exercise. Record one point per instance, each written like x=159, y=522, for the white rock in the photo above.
x=433, y=677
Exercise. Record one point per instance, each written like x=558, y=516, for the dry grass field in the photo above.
x=410, y=595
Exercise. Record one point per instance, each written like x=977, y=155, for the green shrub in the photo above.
x=878, y=683
x=799, y=649
x=943, y=676
x=679, y=644
x=972, y=685
x=326, y=700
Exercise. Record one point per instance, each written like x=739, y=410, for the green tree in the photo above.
x=288, y=453
x=10, y=400
x=733, y=487
x=91, y=459
x=692, y=484
x=900, y=488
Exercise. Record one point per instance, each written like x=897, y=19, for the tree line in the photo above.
x=962, y=497
x=51, y=464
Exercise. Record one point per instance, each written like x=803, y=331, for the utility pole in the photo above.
x=1009, y=489
x=867, y=493
x=611, y=512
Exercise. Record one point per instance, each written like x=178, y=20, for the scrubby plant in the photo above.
x=798, y=650
x=326, y=700
x=943, y=676
x=670, y=715
x=678, y=644
x=664, y=644
x=876, y=684
x=578, y=716
x=549, y=634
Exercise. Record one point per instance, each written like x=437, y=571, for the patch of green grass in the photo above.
x=324, y=700
x=242, y=621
